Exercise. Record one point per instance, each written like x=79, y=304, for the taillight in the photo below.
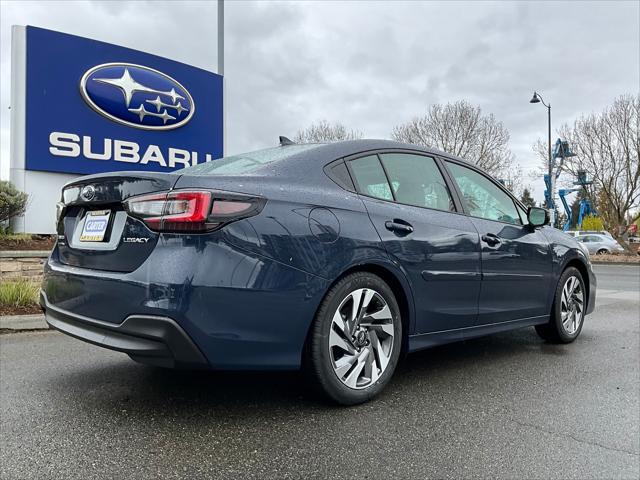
x=60, y=208
x=191, y=211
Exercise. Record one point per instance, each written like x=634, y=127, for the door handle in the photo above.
x=491, y=239
x=398, y=226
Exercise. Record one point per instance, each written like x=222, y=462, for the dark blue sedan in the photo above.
x=337, y=258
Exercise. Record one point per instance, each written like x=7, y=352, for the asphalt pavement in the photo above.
x=506, y=406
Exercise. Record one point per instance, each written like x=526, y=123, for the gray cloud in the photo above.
x=371, y=65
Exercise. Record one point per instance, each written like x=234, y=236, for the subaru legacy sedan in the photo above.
x=334, y=258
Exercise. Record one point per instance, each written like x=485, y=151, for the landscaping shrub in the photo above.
x=591, y=222
x=12, y=201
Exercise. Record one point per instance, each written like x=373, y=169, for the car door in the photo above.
x=601, y=243
x=588, y=242
x=516, y=258
x=414, y=213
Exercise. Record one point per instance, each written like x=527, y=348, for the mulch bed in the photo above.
x=630, y=259
x=36, y=242
x=21, y=310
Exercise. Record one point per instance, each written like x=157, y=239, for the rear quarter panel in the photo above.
x=313, y=226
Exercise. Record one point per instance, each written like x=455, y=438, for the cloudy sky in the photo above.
x=370, y=65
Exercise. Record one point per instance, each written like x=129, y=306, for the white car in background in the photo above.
x=599, y=243
x=577, y=233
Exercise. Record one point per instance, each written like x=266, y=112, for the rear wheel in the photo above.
x=567, y=313
x=355, y=340
x=602, y=251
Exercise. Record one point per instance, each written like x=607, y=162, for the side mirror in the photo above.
x=537, y=216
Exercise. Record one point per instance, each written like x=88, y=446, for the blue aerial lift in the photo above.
x=562, y=151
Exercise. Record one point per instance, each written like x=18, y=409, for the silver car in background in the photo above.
x=599, y=244
x=578, y=233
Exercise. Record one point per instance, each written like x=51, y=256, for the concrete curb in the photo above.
x=23, y=322
x=24, y=253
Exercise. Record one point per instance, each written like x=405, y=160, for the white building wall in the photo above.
x=43, y=187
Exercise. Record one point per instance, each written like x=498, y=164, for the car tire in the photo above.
x=602, y=251
x=568, y=309
x=350, y=360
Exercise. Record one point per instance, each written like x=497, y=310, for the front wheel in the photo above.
x=567, y=312
x=602, y=251
x=355, y=340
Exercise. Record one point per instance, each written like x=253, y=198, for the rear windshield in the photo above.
x=246, y=162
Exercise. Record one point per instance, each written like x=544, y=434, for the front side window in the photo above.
x=416, y=180
x=523, y=214
x=370, y=177
x=482, y=197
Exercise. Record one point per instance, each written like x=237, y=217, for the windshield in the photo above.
x=246, y=162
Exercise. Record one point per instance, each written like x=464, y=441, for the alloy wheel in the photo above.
x=361, y=338
x=572, y=305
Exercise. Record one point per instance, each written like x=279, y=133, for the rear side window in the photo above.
x=246, y=162
x=370, y=178
x=482, y=197
x=337, y=171
x=416, y=180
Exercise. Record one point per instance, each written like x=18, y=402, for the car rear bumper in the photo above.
x=240, y=309
x=152, y=340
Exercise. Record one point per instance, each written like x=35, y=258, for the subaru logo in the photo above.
x=88, y=192
x=137, y=96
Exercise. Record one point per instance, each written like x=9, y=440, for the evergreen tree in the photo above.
x=527, y=199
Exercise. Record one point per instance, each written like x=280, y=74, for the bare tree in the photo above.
x=461, y=129
x=512, y=179
x=323, y=131
x=607, y=147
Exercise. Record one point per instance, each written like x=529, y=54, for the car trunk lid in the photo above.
x=94, y=230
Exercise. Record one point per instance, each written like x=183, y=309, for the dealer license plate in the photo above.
x=95, y=226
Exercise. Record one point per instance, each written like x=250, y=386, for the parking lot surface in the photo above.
x=508, y=406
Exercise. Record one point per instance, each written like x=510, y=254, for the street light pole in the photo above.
x=537, y=98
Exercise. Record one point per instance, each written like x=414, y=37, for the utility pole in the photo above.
x=552, y=177
x=220, y=37
x=221, y=72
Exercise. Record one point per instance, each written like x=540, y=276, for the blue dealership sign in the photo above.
x=94, y=107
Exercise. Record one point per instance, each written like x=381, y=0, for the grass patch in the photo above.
x=19, y=293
